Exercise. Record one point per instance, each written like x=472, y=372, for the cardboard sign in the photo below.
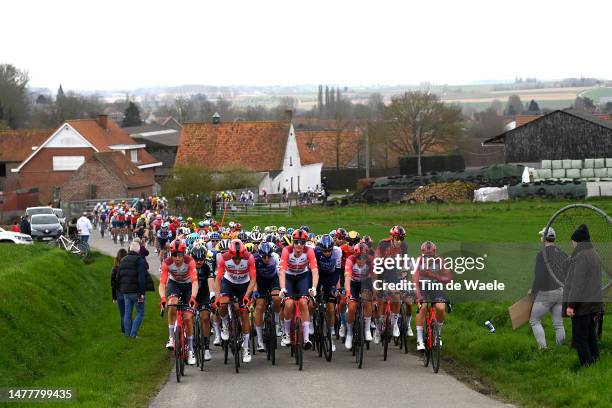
x=521, y=311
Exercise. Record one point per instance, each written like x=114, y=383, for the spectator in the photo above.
x=547, y=289
x=84, y=229
x=15, y=227
x=132, y=284
x=118, y=296
x=72, y=228
x=25, y=225
x=582, y=295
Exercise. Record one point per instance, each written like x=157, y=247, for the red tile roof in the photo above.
x=252, y=146
x=118, y=164
x=520, y=120
x=16, y=145
x=319, y=146
x=102, y=138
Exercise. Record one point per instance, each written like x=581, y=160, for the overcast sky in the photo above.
x=127, y=44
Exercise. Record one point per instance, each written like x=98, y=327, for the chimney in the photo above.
x=216, y=118
x=289, y=115
x=103, y=121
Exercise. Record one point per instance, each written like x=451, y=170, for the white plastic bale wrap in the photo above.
x=546, y=164
x=491, y=194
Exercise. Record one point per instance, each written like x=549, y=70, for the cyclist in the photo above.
x=329, y=261
x=163, y=236
x=358, y=275
x=430, y=268
x=266, y=267
x=203, y=264
x=390, y=248
x=235, y=278
x=295, y=263
x=179, y=281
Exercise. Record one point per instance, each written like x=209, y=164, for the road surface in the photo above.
x=401, y=381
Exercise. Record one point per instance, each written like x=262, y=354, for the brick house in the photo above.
x=106, y=175
x=269, y=148
x=15, y=147
x=52, y=162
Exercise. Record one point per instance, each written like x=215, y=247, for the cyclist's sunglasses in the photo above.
x=199, y=259
x=299, y=242
x=177, y=254
x=398, y=238
x=326, y=251
x=265, y=256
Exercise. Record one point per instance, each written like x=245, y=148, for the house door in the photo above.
x=291, y=184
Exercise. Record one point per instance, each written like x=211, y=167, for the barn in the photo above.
x=561, y=134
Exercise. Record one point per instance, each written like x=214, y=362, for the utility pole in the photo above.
x=367, y=149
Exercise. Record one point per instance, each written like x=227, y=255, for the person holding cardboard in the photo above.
x=547, y=289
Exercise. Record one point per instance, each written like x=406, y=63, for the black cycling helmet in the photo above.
x=265, y=249
x=198, y=253
x=326, y=243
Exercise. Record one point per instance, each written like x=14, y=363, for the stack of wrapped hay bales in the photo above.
x=457, y=191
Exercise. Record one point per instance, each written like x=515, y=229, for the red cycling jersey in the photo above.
x=236, y=272
x=296, y=265
x=185, y=273
x=358, y=273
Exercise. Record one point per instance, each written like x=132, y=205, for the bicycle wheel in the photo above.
x=252, y=336
x=326, y=339
x=435, y=349
x=359, y=337
x=272, y=338
x=403, y=329
x=426, y=336
x=386, y=335
x=235, y=339
x=196, y=338
x=299, y=358
x=177, y=353
x=317, y=338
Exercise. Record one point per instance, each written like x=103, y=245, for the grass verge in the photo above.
x=61, y=330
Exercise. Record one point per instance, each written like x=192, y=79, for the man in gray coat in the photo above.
x=582, y=294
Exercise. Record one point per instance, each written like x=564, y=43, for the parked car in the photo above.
x=14, y=237
x=60, y=215
x=30, y=211
x=45, y=227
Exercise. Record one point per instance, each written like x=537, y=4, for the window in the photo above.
x=2, y=169
x=67, y=163
x=134, y=155
x=290, y=161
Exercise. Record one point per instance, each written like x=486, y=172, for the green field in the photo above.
x=597, y=93
x=507, y=361
x=60, y=329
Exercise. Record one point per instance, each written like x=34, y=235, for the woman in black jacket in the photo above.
x=118, y=296
x=132, y=280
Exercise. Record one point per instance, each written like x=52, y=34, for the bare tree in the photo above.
x=419, y=120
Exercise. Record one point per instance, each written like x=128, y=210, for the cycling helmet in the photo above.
x=242, y=235
x=312, y=236
x=199, y=253
x=205, y=237
x=267, y=230
x=265, y=249
x=206, y=223
x=428, y=248
x=225, y=235
x=223, y=245
x=300, y=234
x=305, y=228
x=256, y=237
x=255, y=228
x=282, y=230
x=360, y=249
x=398, y=231
x=353, y=237
x=214, y=236
x=250, y=247
x=273, y=246
x=236, y=248
x=201, y=224
x=190, y=239
x=230, y=224
x=287, y=240
x=189, y=219
x=341, y=233
x=290, y=231
x=332, y=233
x=326, y=243
x=208, y=214
x=272, y=238
x=178, y=245
x=368, y=241
x=180, y=219
x=166, y=225
x=237, y=226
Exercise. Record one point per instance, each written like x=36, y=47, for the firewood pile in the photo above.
x=457, y=191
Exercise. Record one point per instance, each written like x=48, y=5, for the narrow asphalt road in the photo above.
x=401, y=381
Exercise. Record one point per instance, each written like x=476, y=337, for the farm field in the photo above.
x=597, y=93
x=507, y=362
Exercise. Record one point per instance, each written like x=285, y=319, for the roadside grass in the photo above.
x=507, y=361
x=60, y=329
